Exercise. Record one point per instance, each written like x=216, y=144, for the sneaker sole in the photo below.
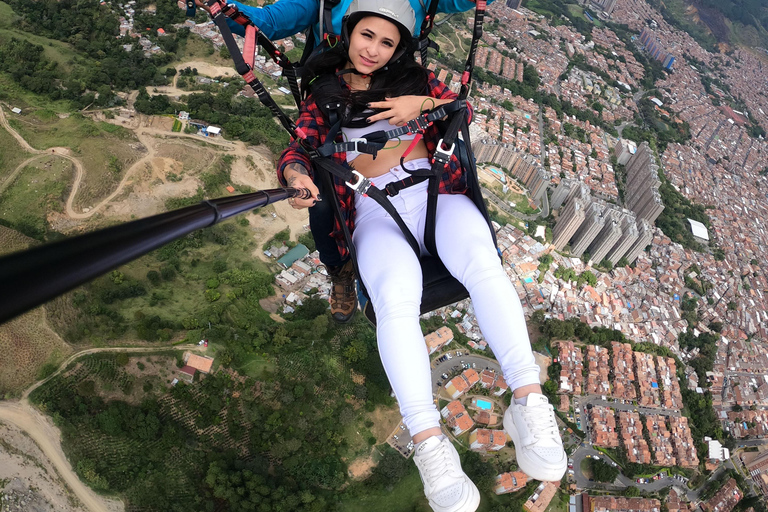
x=529, y=466
x=341, y=318
x=470, y=506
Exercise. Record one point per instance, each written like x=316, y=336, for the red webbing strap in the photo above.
x=232, y=12
x=249, y=48
x=410, y=147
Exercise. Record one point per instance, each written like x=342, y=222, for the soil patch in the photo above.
x=385, y=420
x=361, y=468
x=30, y=479
x=543, y=362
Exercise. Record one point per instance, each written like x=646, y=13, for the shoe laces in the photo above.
x=435, y=464
x=541, y=422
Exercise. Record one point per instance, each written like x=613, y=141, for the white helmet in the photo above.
x=399, y=12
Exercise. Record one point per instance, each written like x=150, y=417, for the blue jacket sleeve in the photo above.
x=449, y=6
x=282, y=19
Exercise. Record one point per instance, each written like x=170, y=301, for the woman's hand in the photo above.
x=296, y=176
x=402, y=109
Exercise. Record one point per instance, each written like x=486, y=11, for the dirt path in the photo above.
x=48, y=437
x=60, y=152
x=149, y=137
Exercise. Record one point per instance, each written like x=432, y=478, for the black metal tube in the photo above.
x=32, y=277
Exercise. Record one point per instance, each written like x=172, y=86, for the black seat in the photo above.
x=440, y=288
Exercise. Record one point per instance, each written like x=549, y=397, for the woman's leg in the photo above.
x=391, y=273
x=466, y=248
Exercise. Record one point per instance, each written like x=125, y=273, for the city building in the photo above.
x=510, y=482
x=624, y=150
x=561, y=193
x=629, y=236
x=569, y=221
x=438, y=339
x=593, y=224
x=487, y=440
x=541, y=498
x=644, y=239
x=606, y=238
x=462, y=383
x=642, y=186
x=606, y=6
x=456, y=417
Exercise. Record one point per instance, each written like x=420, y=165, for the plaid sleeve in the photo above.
x=438, y=89
x=312, y=123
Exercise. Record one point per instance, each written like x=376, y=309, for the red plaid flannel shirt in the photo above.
x=315, y=126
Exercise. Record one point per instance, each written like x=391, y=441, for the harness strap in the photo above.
x=246, y=70
x=372, y=142
x=426, y=27
x=253, y=36
x=477, y=33
x=365, y=187
x=441, y=159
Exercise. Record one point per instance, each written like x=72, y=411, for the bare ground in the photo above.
x=360, y=468
x=31, y=480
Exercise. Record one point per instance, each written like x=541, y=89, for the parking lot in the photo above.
x=453, y=362
x=400, y=440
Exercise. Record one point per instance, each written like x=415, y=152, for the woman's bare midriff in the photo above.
x=387, y=158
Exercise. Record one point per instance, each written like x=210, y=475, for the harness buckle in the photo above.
x=361, y=185
x=418, y=125
x=357, y=141
x=443, y=155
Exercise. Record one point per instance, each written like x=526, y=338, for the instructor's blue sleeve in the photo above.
x=449, y=6
x=282, y=19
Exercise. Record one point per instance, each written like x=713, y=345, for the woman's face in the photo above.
x=372, y=43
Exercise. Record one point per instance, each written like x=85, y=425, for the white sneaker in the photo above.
x=446, y=486
x=533, y=429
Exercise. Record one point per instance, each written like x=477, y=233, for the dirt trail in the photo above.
x=48, y=437
x=61, y=152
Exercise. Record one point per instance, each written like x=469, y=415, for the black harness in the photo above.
x=440, y=288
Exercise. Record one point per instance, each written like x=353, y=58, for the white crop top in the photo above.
x=355, y=133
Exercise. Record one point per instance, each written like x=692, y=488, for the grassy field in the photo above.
x=198, y=48
x=103, y=148
x=256, y=367
x=26, y=343
x=406, y=496
x=578, y=10
x=40, y=188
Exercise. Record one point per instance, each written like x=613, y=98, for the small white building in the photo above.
x=699, y=230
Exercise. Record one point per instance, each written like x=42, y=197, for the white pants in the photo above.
x=392, y=275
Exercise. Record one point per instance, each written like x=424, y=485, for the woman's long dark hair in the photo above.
x=400, y=78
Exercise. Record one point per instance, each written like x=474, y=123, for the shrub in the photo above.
x=168, y=273
x=154, y=277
